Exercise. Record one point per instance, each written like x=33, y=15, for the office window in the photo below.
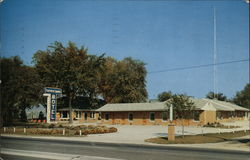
x=130, y=117
x=152, y=116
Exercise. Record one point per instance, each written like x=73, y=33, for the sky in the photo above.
x=164, y=34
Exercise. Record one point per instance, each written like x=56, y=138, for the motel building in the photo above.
x=156, y=113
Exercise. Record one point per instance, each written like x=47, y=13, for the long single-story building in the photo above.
x=157, y=113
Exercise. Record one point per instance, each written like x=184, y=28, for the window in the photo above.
x=232, y=114
x=196, y=115
x=130, y=117
x=64, y=114
x=78, y=114
x=218, y=115
x=152, y=116
x=92, y=115
x=99, y=116
x=165, y=116
x=107, y=116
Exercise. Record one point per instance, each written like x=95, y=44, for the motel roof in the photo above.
x=222, y=105
x=200, y=104
x=117, y=107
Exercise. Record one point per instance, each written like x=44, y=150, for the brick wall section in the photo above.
x=207, y=117
x=141, y=118
x=88, y=120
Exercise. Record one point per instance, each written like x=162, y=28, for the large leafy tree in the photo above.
x=218, y=96
x=70, y=68
x=164, y=96
x=124, y=81
x=242, y=98
x=19, y=89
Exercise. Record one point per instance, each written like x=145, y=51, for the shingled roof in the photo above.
x=200, y=104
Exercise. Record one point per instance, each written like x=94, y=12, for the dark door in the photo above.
x=85, y=116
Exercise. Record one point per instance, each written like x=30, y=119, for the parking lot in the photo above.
x=138, y=133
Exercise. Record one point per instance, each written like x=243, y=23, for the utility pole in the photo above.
x=215, y=54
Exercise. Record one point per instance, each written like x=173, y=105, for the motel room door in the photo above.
x=85, y=116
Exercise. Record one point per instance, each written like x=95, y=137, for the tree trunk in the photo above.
x=70, y=110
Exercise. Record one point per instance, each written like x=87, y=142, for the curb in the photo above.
x=128, y=145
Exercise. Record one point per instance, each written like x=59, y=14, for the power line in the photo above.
x=198, y=66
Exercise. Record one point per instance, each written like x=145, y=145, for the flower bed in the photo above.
x=61, y=130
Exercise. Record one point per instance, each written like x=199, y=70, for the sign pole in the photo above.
x=171, y=127
x=51, y=94
x=48, y=106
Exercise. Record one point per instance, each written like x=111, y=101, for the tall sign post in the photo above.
x=51, y=94
x=171, y=127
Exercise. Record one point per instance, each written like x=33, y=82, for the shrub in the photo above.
x=77, y=132
x=91, y=126
x=52, y=125
x=99, y=130
x=60, y=126
x=83, y=126
x=85, y=132
x=112, y=129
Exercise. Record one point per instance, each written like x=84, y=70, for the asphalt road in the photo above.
x=38, y=149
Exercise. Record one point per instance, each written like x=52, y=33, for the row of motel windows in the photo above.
x=165, y=115
x=65, y=114
x=232, y=114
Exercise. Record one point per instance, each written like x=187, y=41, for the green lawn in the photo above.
x=205, y=138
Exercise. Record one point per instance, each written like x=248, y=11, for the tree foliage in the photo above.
x=164, y=96
x=76, y=72
x=219, y=96
x=182, y=106
x=19, y=89
x=242, y=98
x=124, y=81
x=70, y=68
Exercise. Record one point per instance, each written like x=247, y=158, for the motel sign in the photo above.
x=51, y=94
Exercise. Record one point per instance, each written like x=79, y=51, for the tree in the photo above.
x=164, y=96
x=9, y=85
x=219, y=96
x=183, y=107
x=70, y=68
x=18, y=89
x=124, y=81
x=242, y=98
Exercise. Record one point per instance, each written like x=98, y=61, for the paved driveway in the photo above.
x=138, y=133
